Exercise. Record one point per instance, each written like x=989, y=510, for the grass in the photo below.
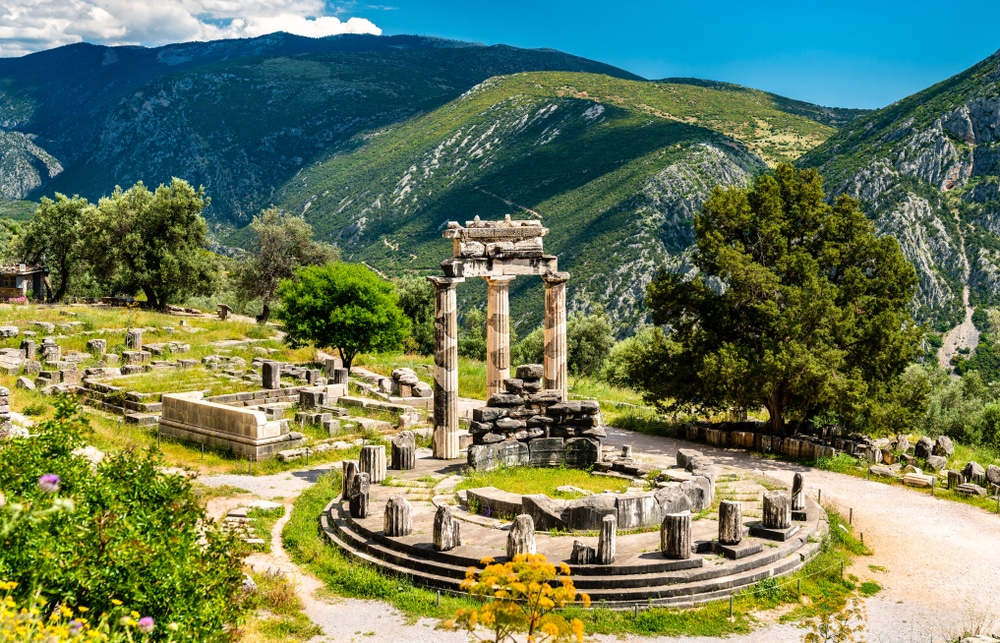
x=262, y=521
x=826, y=590
x=529, y=480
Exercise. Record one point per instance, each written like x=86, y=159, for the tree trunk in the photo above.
x=151, y=299
x=264, y=314
x=59, y=294
x=347, y=357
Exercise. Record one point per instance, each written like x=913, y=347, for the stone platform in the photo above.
x=640, y=574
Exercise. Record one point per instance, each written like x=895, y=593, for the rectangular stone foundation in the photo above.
x=242, y=431
x=735, y=552
x=781, y=535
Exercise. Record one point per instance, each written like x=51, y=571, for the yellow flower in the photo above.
x=116, y=602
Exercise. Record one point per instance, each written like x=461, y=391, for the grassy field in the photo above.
x=528, y=480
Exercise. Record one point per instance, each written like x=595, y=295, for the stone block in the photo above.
x=546, y=452
x=530, y=371
x=545, y=512
x=640, y=510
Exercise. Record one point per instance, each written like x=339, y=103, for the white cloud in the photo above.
x=33, y=25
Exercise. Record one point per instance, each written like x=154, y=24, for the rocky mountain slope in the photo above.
x=239, y=117
x=926, y=170
x=614, y=168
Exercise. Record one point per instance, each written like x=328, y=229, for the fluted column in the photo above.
x=497, y=333
x=555, y=332
x=445, y=367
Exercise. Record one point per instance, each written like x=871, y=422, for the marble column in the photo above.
x=445, y=367
x=555, y=332
x=497, y=333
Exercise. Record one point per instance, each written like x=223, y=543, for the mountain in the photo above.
x=237, y=116
x=615, y=168
x=927, y=171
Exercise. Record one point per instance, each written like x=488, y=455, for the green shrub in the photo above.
x=130, y=534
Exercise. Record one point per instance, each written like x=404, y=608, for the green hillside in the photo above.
x=926, y=169
x=240, y=117
x=615, y=168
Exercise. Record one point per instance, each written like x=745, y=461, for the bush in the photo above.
x=128, y=534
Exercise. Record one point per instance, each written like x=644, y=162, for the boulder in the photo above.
x=422, y=389
x=943, y=446
x=529, y=371
x=974, y=472
x=685, y=455
x=924, y=448
x=24, y=383
x=937, y=462
x=405, y=376
x=993, y=474
x=587, y=513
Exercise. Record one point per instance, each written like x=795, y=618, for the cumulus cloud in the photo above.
x=33, y=25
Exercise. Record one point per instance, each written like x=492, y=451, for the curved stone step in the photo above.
x=617, y=590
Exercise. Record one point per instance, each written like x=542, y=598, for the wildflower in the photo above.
x=116, y=602
x=146, y=624
x=75, y=627
x=49, y=483
x=63, y=504
x=173, y=627
x=3, y=500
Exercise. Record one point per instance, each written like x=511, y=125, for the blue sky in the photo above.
x=844, y=54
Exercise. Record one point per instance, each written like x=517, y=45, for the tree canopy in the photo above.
x=343, y=306
x=55, y=236
x=282, y=243
x=797, y=306
x=152, y=241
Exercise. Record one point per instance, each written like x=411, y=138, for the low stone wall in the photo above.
x=246, y=432
x=825, y=442
x=632, y=510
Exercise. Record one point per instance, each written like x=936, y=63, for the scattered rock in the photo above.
x=943, y=446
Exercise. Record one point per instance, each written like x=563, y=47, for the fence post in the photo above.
x=800, y=588
x=731, y=601
x=842, y=565
x=819, y=497
x=850, y=518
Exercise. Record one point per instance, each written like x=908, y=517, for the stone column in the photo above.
x=675, y=536
x=730, y=522
x=798, y=493
x=404, y=447
x=606, y=545
x=372, y=462
x=521, y=537
x=555, y=332
x=445, y=367
x=447, y=530
x=777, y=510
x=350, y=470
x=358, y=498
x=398, y=519
x=497, y=333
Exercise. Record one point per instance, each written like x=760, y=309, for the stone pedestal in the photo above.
x=350, y=470
x=270, y=375
x=28, y=348
x=675, y=535
x=521, y=538
x=582, y=554
x=445, y=367
x=404, y=449
x=447, y=530
x=372, y=462
x=398, y=520
x=358, y=498
x=955, y=478
x=340, y=376
x=497, y=333
x=730, y=522
x=555, y=332
x=606, y=540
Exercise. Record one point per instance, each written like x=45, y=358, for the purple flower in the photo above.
x=75, y=627
x=49, y=483
x=146, y=624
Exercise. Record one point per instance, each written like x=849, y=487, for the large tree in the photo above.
x=343, y=306
x=282, y=243
x=153, y=242
x=54, y=236
x=797, y=305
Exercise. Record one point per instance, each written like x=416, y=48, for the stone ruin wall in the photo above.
x=529, y=425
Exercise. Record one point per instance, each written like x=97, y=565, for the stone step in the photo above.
x=142, y=419
x=606, y=584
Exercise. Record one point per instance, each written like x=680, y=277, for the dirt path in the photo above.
x=938, y=561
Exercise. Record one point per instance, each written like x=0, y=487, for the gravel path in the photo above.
x=938, y=561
